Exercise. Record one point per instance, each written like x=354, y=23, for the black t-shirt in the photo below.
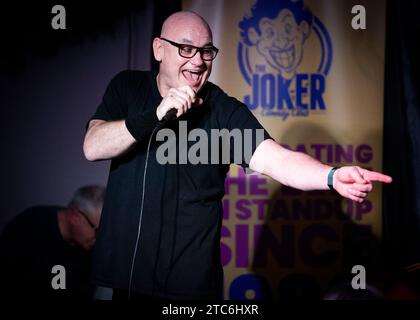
x=30, y=246
x=178, y=253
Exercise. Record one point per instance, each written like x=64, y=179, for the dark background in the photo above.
x=51, y=81
x=401, y=200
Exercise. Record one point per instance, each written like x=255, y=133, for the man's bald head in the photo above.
x=189, y=31
x=179, y=22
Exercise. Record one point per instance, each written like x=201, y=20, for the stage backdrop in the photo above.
x=316, y=85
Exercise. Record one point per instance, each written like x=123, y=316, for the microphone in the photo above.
x=169, y=116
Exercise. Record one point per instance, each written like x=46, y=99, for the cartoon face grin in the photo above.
x=285, y=58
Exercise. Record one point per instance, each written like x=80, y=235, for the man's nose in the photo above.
x=197, y=60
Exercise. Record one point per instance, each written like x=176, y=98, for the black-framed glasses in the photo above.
x=208, y=53
x=91, y=224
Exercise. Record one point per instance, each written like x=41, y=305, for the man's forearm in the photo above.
x=290, y=168
x=107, y=140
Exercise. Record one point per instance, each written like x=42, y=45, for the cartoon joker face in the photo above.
x=280, y=41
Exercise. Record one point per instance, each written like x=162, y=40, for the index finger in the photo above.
x=376, y=176
x=194, y=96
x=188, y=90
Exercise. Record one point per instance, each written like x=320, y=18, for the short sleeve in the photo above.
x=114, y=102
x=251, y=131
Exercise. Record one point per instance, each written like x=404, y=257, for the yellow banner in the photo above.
x=316, y=84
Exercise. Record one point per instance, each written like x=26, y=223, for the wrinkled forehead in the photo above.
x=188, y=31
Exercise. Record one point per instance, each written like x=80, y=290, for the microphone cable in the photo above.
x=169, y=116
x=133, y=261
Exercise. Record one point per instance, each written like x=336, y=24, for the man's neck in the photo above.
x=161, y=86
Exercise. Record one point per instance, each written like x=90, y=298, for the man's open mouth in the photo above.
x=192, y=76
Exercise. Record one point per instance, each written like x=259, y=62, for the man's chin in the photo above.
x=195, y=87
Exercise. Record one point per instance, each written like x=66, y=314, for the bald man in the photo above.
x=160, y=229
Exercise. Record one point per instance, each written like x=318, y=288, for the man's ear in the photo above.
x=157, y=49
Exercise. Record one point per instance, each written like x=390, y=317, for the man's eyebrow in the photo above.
x=187, y=41
x=208, y=44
